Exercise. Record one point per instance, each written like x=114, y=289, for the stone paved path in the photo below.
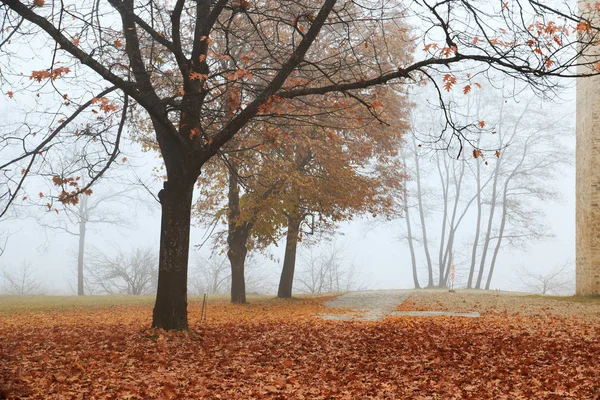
x=375, y=305
x=372, y=305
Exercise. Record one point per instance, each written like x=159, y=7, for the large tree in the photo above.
x=328, y=168
x=165, y=59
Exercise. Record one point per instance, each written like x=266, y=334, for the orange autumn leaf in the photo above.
x=449, y=80
x=481, y=124
x=194, y=133
x=51, y=74
x=198, y=76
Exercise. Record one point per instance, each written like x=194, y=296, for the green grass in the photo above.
x=45, y=303
x=54, y=303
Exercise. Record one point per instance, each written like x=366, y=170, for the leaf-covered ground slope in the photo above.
x=281, y=350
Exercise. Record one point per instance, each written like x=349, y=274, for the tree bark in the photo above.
x=237, y=237
x=237, y=257
x=289, y=262
x=170, y=310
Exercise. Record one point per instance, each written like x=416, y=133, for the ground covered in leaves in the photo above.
x=521, y=348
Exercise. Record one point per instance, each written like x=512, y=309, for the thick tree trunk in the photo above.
x=170, y=310
x=237, y=237
x=289, y=261
x=237, y=256
x=82, y=229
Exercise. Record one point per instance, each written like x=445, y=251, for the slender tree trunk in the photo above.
x=504, y=214
x=411, y=247
x=453, y=224
x=488, y=233
x=477, y=228
x=422, y=216
x=82, y=229
x=237, y=238
x=289, y=262
x=498, y=244
x=445, y=189
x=170, y=310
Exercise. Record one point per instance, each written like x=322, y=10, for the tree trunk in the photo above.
x=453, y=224
x=237, y=237
x=498, y=244
x=422, y=215
x=82, y=229
x=289, y=261
x=445, y=190
x=504, y=216
x=486, y=243
x=237, y=257
x=411, y=247
x=477, y=227
x=170, y=309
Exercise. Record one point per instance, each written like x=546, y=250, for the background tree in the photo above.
x=501, y=187
x=558, y=280
x=213, y=276
x=135, y=273
x=76, y=219
x=21, y=282
x=327, y=272
x=166, y=61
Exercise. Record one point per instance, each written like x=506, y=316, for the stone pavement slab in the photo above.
x=434, y=314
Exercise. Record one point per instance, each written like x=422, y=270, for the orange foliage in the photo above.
x=52, y=74
x=449, y=80
x=198, y=76
x=274, y=349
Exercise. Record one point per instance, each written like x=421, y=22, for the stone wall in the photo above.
x=588, y=185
